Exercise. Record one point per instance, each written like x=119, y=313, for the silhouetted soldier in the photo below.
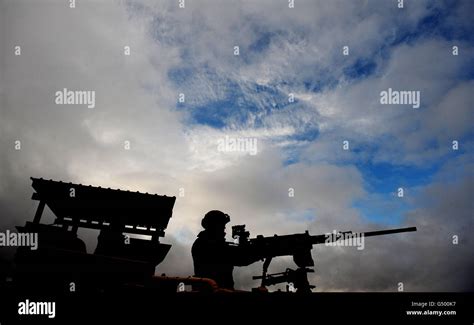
x=213, y=257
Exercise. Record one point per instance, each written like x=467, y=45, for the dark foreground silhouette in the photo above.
x=129, y=248
x=117, y=280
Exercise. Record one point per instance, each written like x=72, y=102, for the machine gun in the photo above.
x=299, y=246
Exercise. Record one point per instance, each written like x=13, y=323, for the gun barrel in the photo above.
x=321, y=239
x=389, y=231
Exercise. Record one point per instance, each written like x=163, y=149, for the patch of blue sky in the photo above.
x=276, y=98
x=181, y=74
x=383, y=209
x=382, y=180
x=386, y=177
x=292, y=153
x=258, y=48
x=217, y=114
x=468, y=72
x=361, y=68
x=439, y=22
x=262, y=43
x=290, y=158
x=427, y=27
x=433, y=25
x=237, y=106
x=321, y=81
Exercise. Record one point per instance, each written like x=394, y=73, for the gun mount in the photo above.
x=297, y=279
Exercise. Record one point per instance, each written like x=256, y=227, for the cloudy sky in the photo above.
x=284, y=53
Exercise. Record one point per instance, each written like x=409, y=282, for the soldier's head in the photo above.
x=214, y=221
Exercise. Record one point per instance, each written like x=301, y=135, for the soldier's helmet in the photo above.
x=215, y=219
